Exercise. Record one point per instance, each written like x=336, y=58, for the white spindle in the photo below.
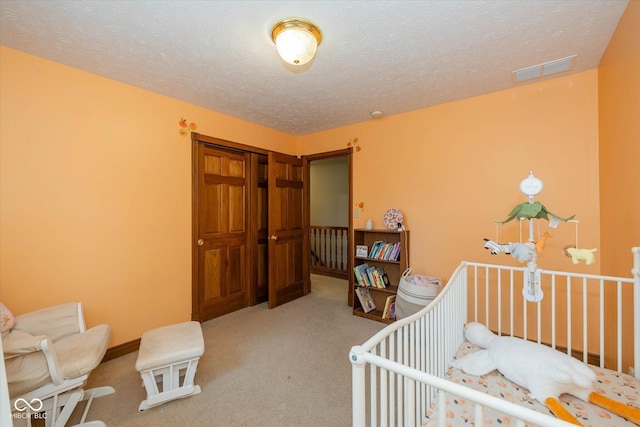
x=585, y=321
x=619, y=325
x=636, y=312
x=524, y=308
x=553, y=312
x=383, y=387
x=601, y=317
x=386, y=381
x=442, y=402
x=511, y=302
x=499, y=302
x=475, y=293
x=486, y=296
x=538, y=327
x=478, y=415
x=569, y=315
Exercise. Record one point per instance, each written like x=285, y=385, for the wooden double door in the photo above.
x=250, y=240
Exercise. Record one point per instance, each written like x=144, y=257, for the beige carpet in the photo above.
x=287, y=366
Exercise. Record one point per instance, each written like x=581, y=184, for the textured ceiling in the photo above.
x=393, y=56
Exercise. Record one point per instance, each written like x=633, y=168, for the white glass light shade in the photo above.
x=296, y=40
x=295, y=46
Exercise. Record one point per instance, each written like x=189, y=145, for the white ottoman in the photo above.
x=166, y=354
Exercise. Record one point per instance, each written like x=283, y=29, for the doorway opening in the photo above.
x=330, y=213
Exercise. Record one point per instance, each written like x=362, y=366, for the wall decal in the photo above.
x=186, y=129
x=353, y=142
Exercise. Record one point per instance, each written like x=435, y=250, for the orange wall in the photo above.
x=95, y=200
x=619, y=112
x=619, y=115
x=454, y=169
x=95, y=194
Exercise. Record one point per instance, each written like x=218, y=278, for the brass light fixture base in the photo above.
x=300, y=23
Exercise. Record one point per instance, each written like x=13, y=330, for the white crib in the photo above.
x=400, y=372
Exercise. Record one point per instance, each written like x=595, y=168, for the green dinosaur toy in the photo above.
x=532, y=210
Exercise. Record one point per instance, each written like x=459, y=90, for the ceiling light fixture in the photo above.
x=296, y=40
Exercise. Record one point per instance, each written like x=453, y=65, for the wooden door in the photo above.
x=288, y=235
x=222, y=242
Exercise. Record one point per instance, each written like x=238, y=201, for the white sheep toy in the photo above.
x=577, y=255
x=545, y=372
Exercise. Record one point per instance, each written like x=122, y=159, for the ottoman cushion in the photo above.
x=170, y=344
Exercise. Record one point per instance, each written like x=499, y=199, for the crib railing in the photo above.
x=572, y=317
x=404, y=344
x=398, y=373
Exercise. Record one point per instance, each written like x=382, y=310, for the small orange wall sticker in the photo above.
x=185, y=128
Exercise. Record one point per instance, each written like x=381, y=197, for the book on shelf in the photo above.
x=362, y=251
x=364, y=271
x=378, y=275
x=359, y=271
x=396, y=256
x=372, y=276
x=387, y=254
x=389, y=311
x=381, y=280
x=383, y=277
x=395, y=252
x=365, y=299
x=392, y=310
x=375, y=248
x=383, y=251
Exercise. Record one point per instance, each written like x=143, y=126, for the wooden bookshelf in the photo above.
x=393, y=268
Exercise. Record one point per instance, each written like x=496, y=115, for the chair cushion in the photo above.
x=55, y=322
x=19, y=342
x=26, y=373
x=79, y=354
x=170, y=344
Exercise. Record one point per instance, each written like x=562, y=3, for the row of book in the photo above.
x=367, y=303
x=371, y=276
x=385, y=251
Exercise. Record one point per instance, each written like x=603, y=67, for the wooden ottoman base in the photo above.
x=167, y=361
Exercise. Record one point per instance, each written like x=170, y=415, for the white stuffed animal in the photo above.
x=545, y=372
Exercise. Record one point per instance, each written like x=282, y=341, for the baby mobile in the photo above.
x=528, y=252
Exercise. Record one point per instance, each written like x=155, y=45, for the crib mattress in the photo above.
x=614, y=385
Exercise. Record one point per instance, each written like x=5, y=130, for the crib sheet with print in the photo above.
x=459, y=411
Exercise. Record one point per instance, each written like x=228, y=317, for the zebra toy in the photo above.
x=496, y=248
x=523, y=252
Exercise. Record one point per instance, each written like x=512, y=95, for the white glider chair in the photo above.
x=49, y=355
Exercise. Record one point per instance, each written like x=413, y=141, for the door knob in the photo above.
x=200, y=242
x=274, y=237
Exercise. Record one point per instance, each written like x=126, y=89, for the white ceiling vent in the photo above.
x=544, y=69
